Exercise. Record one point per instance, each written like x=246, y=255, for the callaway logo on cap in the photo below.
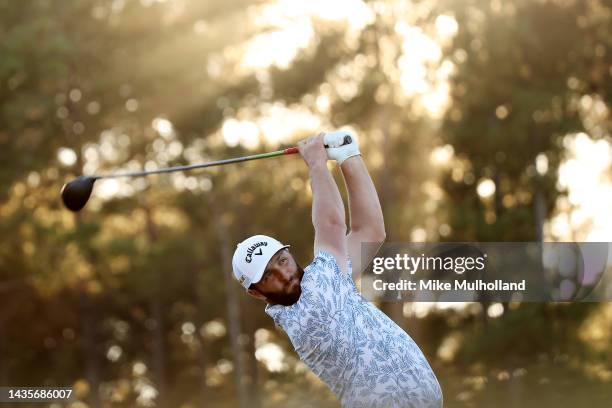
x=251, y=257
x=251, y=251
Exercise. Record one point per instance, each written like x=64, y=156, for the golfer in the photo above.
x=362, y=355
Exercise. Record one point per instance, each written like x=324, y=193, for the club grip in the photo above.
x=294, y=150
x=347, y=140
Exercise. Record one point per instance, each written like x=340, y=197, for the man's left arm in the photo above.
x=366, y=216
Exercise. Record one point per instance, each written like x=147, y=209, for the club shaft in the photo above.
x=290, y=150
x=202, y=165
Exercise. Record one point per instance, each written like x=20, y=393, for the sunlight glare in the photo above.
x=279, y=123
x=542, y=164
x=147, y=393
x=277, y=48
x=293, y=28
x=446, y=26
x=585, y=174
x=285, y=12
x=163, y=127
x=272, y=356
x=418, y=50
x=213, y=329
x=241, y=132
x=442, y=155
x=272, y=123
x=107, y=188
x=66, y=156
x=486, y=188
x=436, y=101
x=114, y=353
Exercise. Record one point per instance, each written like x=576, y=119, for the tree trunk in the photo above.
x=88, y=318
x=156, y=311
x=3, y=362
x=199, y=322
x=159, y=357
x=250, y=362
x=90, y=349
x=540, y=213
x=232, y=302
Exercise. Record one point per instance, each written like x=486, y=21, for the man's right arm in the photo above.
x=328, y=216
x=367, y=223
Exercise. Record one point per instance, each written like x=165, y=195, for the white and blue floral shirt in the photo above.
x=361, y=354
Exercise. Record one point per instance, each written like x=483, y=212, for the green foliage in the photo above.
x=526, y=332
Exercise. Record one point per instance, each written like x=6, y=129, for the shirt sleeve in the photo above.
x=327, y=259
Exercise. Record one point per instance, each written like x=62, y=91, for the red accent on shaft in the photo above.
x=291, y=150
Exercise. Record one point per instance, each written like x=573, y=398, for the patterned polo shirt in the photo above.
x=361, y=354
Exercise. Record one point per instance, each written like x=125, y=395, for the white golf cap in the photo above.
x=251, y=257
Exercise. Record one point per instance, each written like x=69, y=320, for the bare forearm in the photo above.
x=364, y=205
x=327, y=206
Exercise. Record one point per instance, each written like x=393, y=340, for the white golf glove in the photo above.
x=336, y=151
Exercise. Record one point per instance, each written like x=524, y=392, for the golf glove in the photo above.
x=336, y=151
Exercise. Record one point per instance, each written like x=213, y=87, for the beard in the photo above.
x=290, y=296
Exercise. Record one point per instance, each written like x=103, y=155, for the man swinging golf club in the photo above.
x=362, y=355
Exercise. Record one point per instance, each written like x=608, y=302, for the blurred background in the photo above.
x=480, y=120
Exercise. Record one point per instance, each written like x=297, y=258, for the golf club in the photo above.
x=76, y=193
